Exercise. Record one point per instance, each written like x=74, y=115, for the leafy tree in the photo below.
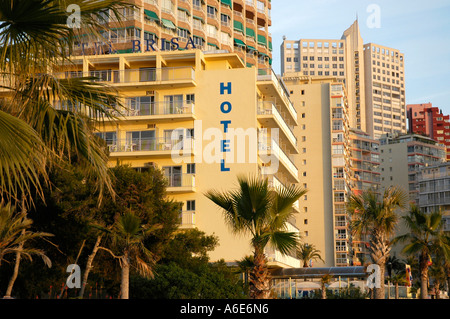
x=185, y=272
x=257, y=210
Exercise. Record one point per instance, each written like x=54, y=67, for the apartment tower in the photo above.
x=373, y=76
x=427, y=120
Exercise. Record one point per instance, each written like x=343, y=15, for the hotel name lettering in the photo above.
x=141, y=46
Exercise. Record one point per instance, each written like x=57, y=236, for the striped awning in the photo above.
x=168, y=24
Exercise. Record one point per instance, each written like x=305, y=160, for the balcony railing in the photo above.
x=139, y=75
x=269, y=75
x=150, y=145
x=281, y=155
x=180, y=180
x=266, y=107
x=159, y=108
x=187, y=219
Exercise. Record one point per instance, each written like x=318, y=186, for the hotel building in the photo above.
x=427, y=120
x=182, y=109
x=373, y=76
x=240, y=26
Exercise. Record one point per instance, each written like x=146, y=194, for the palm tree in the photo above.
x=36, y=43
x=378, y=219
x=35, y=135
x=395, y=272
x=15, y=233
x=424, y=238
x=307, y=252
x=258, y=210
x=325, y=280
x=127, y=237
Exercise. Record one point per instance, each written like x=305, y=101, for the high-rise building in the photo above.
x=373, y=76
x=155, y=25
x=385, y=90
x=334, y=160
x=428, y=120
x=203, y=119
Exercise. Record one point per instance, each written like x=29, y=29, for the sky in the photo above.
x=419, y=29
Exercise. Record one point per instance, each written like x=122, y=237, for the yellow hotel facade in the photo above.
x=203, y=119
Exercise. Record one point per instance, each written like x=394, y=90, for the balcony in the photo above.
x=174, y=76
x=187, y=220
x=270, y=85
x=158, y=111
x=281, y=156
x=270, y=116
x=180, y=183
x=151, y=147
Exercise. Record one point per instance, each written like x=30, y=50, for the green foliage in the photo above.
x=185, y=272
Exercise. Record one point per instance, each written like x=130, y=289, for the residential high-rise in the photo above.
x=203, y=119
x=339, y=58
x=155, y=25
x=373, y=76
x=333, y=162
x=322, y=134
x=385, y=90
x=428, y=120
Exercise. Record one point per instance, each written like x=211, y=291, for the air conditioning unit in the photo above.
x=150, y=92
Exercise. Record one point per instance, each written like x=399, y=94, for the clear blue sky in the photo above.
x=419, y=29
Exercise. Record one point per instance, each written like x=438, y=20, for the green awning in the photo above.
x=185, y=30
x=151, y=15
x=213, y=45
x=262, y=39
x=125, y=51
x=168, y=24
x=227, y=3
x=239, y=42
x=199, y=18
x=185, y=10
x=270, y=45
x=250, y=32
x=251, y=48
x=238, y=26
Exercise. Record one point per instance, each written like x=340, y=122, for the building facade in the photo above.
x=385, y=90
x=209, y=25
x=373, y=76
x=434, y=190
x=202, y=119
x=427, y=120
x=334, y=161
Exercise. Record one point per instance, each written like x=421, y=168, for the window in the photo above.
x=190, y=205
x=190, y=168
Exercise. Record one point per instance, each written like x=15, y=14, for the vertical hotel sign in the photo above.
x=225, y=109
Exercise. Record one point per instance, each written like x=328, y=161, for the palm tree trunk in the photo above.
x=13, y=278
x=125, y=282
x=423, y=276
x=259, y=276
x=397, y=293
x=379, y=292
x=18, y=257
x=89, y=266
